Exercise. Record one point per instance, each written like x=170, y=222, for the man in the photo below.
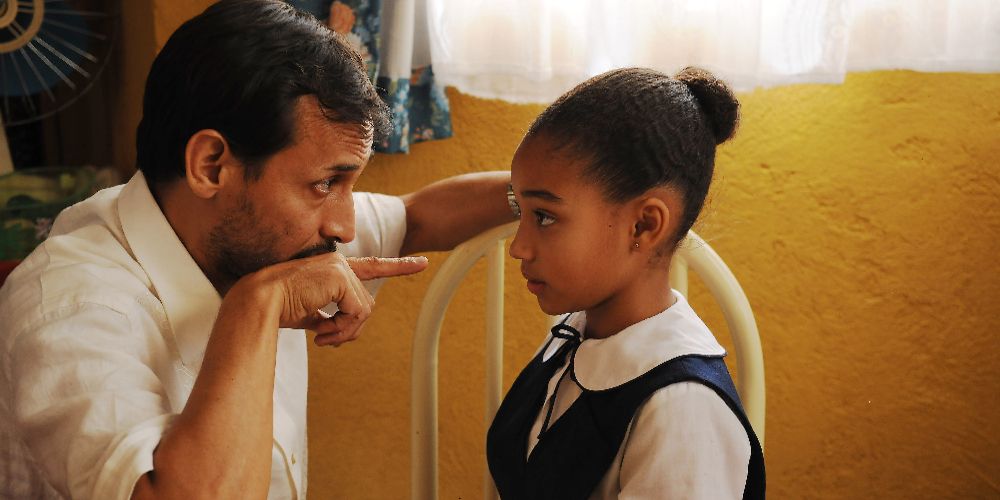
x=140, y=347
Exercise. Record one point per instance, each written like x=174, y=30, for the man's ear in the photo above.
x=209, y=163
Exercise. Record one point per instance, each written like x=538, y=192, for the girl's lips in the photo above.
x=535, y=286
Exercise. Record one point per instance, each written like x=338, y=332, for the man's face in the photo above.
x=301, y=205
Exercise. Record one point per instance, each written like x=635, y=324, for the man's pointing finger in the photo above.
x=369, y=268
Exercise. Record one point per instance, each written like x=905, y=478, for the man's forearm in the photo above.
x=220, y=445
x=450, y=211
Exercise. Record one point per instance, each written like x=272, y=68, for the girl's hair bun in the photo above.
x=716, y=100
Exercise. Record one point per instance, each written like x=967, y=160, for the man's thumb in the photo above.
x=370, y=268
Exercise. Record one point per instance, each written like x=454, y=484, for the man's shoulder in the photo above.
x=101, y=208
x=54, y=298
x=85, y=260
x=380, y=224
x=87, y=246
x=368, y=204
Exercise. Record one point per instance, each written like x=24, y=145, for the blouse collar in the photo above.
x=601, y=364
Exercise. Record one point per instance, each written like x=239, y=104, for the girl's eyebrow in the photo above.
x=541, y=194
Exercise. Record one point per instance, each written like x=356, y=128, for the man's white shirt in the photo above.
x=102, y=333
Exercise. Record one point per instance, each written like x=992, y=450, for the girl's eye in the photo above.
x=543, y=219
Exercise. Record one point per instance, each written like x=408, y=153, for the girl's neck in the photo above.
x=643, y=299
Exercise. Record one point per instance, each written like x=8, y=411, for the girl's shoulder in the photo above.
x=685, y=436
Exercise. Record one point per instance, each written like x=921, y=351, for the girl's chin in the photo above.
x=553, y=309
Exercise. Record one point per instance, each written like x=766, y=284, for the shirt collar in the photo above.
x=601, y=364
x=190, y=301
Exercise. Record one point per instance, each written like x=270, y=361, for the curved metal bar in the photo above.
x=494, y=346
x=722, y=285
x=423, y=380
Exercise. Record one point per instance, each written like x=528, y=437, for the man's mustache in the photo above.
x=329, y=246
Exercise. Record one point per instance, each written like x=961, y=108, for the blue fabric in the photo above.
x=418, y=107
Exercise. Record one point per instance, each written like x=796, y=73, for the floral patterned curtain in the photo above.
x=391, y=36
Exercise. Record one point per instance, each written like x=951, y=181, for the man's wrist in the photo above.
x=262, y=295
x=512, y=201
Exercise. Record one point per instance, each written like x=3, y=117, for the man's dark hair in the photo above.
x=637, y=128
x=238, y=68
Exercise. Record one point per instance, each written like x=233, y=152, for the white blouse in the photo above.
x=684, y=442
x=102, y=333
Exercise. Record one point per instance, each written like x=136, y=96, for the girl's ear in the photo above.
x=209, y=163
x=652, y=222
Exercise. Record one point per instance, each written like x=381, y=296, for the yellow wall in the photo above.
x=863, y=220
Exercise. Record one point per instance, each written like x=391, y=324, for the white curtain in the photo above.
x=534, y=50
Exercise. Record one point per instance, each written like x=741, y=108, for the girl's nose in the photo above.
x=519, y=248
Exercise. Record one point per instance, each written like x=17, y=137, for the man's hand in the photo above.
x=230, y=408
x=302, y=286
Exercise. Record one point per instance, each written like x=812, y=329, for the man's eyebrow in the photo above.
x=541, y=194
x=343, y=168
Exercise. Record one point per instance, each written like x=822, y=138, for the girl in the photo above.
x=629, y=396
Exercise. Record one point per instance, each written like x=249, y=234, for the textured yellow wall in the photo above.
x=863, y=220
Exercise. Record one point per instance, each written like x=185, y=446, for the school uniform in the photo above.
x=650, y=412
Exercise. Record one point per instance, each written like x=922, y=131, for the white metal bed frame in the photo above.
x=694, y=254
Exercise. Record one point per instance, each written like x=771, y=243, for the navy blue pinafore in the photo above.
x=576, y=451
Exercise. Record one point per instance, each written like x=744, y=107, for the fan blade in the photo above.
x=69, y=45
x=40, y=81
x=24, y=84
x=31, y=46
x=65, y=26
x=41, y=41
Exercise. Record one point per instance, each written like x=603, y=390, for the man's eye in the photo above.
x=543, y=219
x=324, y=185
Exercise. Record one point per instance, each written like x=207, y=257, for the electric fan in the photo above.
x=51, y=52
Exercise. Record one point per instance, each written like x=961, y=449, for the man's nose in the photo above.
x=338, y=220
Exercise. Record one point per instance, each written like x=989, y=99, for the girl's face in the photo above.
x=574, y=246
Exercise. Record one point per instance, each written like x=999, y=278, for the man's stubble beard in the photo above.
x=240, y=245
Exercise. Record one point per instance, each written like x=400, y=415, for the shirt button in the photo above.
x=293, y=459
